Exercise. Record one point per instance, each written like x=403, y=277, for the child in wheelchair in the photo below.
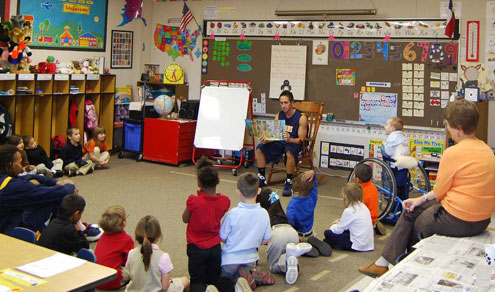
x=397, y=145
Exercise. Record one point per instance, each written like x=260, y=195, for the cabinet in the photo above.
x=39, y=103
x=168, y=141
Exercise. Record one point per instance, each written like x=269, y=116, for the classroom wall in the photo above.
x=161, y=12
x=124, y=76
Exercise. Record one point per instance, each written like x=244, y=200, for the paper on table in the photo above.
x=20, y=278
x=53, y=265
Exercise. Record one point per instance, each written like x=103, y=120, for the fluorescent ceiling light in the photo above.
x=325, y=12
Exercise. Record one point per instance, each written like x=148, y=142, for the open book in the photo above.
x=272, y=130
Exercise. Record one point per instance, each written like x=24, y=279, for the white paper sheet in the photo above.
x=53, y=265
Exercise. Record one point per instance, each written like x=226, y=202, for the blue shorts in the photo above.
x=273, y=151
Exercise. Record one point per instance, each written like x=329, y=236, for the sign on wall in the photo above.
x=288, y=71
x=67, y=25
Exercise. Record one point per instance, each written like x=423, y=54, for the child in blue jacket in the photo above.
x=28, y=200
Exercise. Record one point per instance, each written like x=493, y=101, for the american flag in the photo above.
x=186, y=17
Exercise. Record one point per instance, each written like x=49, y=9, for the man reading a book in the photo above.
x=296, y=128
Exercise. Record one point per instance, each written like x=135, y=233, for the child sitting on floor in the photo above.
x=354, y=230
x=362, y=175
x=37, y=156
x=63, y=233
x=114, y=245
x=243, y=230
x=96, y=149
x=72, y=155
x=26, y=166
x=284, y=246
x=301, y=211
x=148, y=267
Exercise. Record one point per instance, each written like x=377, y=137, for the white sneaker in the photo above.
x=242, y=285
x=297, y=250
x=292, y=272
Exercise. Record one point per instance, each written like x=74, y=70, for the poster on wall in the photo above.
x=121, y=54
x=320, y=52
x=67, y=25
x=345, y=77
x=490, y=40
x=175, y=43
x=377, y=107
x=340, y=155
x=288, y=71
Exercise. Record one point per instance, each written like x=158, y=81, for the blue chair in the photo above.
x=86, y=254
x=23, y=234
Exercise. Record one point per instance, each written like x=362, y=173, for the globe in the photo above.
x=164, y=104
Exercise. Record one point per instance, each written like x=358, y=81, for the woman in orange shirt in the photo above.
x=463, y=198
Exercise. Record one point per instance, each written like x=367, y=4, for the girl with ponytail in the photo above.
x=148, y=267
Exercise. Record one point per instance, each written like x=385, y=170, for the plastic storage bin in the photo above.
x=132, y=137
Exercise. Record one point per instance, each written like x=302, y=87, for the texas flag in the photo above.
x=450, y=27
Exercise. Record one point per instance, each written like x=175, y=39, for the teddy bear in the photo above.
x=65, y=68
x=85, y=69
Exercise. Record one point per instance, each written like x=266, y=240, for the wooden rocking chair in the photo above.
x=313, y=111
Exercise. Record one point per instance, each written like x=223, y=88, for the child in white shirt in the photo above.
x=354, y=230
x=395, y=146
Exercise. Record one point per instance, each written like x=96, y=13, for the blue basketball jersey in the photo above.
x=292, y=123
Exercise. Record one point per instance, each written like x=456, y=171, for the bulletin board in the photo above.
x=422, y=74
x=66, y=25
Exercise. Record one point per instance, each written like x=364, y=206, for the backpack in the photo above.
x=5, y=124
x=90, y=117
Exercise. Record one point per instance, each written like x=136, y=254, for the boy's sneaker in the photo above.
x=70, y=172
x=263, y=278
x=292, y=270
x=93, y=232
x=245, y=272
x=313, y=253
x=58, y=173
x=297, y=250
x=242, y=285
x=287, y=188
x=261, y=180
x=323, y=247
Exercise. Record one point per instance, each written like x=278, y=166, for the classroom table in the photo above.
x=15, y=253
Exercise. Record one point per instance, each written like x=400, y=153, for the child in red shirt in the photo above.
x=362, y=175
x=203, y=214
x=114, y=245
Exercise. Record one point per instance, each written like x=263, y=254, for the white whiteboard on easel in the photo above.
x=221, y=118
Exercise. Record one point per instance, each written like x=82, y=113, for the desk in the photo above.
x=439, y=263
x=15, y=253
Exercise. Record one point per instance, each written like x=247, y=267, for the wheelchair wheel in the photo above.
x=419, y=183
x=384, y=180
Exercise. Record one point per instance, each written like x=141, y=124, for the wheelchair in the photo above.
x=416, y=183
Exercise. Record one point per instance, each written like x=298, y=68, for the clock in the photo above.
x=174, y=74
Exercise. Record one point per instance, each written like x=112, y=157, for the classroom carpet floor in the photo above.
x=161, y=190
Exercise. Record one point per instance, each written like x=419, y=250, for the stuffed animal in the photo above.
x=65, y=68
x=85, y=69
x=77, y=67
